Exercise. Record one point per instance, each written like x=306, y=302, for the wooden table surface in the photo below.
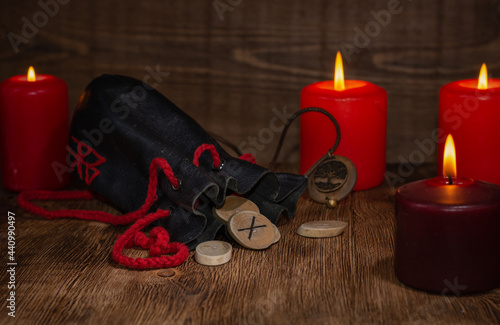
x=65, y=275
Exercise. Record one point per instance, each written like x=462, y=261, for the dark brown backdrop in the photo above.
x=230, y=67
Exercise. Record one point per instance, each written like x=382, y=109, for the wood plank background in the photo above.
x=230, y=69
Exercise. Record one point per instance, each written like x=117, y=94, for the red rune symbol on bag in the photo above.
x=86, y=157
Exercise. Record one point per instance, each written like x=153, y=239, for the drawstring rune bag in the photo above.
x=142, y=154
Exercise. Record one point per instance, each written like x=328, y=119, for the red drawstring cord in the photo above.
x=215, y=155
x=248, y=157
x=201, y=149
x=158, y=245
x=159, y=242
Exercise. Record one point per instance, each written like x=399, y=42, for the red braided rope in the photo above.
x=215, y=155
x=248, y=157
x=201, y=149
x=159, y=243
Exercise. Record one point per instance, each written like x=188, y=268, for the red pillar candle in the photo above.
x=360, y=108
x=34, y=128
x=448, y=235
x=471, y=113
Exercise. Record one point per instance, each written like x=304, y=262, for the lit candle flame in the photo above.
x=31, y=74
x=450, y=159
x=482, y=82
x=338, y=83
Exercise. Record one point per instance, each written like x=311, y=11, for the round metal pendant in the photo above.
x=331, y=179
x=330, y=176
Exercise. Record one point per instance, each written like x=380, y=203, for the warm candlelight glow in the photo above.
x=450, y=160
x=31, y=74
x=482, y=82
x=339, y=73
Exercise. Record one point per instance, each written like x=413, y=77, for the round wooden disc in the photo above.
x=251, y=230
x=213, y=252
x=233, y=205
x=323, y=228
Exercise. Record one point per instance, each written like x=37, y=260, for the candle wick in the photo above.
x=450, y=180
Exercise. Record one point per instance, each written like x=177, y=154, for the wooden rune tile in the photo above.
x=251, y=230
x=213, y=252
x=322, y=228
x=233, y=205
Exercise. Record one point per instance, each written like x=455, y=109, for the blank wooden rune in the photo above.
x=251, y=230
x=213, y=252
x=233, y=205
x=321, y=229
x=277, y=234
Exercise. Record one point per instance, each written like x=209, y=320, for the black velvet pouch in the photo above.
x=121, y=124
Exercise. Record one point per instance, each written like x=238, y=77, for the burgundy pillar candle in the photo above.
x=448, y=234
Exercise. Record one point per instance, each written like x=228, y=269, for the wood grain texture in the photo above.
x=230, y=74
x=65, y=275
